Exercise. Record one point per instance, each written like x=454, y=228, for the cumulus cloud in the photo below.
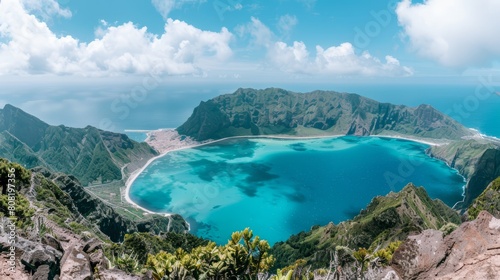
x=31, y=47
x=456, y=33
x=334, y=60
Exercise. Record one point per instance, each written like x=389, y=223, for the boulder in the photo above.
x=36, y=255
x=92, y=245
x=49, y=240
x=75, y=265
x=472, y=251
x=115, y=274
x=97, y=258
x=419, y=253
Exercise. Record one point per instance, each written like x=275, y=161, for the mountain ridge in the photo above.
x=278, y=111
x=91, y=154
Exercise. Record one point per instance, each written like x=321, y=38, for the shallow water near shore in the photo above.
x=280, y=187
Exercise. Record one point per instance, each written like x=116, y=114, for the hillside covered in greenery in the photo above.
x=478, y=160
x=90, y=154
x=277, y=111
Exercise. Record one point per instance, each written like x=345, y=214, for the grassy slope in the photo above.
x=489, y=200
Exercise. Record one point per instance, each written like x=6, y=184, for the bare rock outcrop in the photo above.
x=76, y=265
x=472, y=251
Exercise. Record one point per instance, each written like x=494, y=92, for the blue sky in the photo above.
x=73, y=50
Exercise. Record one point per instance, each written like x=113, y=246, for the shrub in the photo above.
x=244, y=254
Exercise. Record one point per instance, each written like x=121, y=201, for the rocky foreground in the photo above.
x=472, y=251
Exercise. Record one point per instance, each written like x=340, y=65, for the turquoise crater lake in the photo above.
x=280, y=187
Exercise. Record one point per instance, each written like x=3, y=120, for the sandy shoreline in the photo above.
x=168, y=140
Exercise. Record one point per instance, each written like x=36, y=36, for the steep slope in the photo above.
x=90, y=154
x=386, y=219
x=61, y=230
x=277, y=111
x=476, y=159
x=489, y=200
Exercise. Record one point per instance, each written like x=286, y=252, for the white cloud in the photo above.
x=261, y=34
x=164, y=7
x=45, y=8
x=31, y=47
x=335, y=60
x=286, y=23
x=456, y=33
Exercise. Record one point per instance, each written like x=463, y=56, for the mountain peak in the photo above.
x=15, y=121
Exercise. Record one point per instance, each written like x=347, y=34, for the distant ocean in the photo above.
x=166, y=107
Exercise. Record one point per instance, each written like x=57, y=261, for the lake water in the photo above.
x=281, y=187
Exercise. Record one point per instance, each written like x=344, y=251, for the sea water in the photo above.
x=280, y=187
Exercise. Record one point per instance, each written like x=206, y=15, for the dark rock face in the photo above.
x=472, y=251
x=277, y=111
x=487, y=170
x=477, y=160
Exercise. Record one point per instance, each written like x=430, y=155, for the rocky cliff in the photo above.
x=277, y=111
x=476, y=159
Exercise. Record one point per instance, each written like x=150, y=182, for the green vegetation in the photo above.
x=126, y=262
x=50, y=194
x=448, y=228
x=142, y=244
x=489, y=200
x=90, y=154
x=23, y=211
x=14, y=180
x=277, y=111
x=243, y=255
x=385, y=255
